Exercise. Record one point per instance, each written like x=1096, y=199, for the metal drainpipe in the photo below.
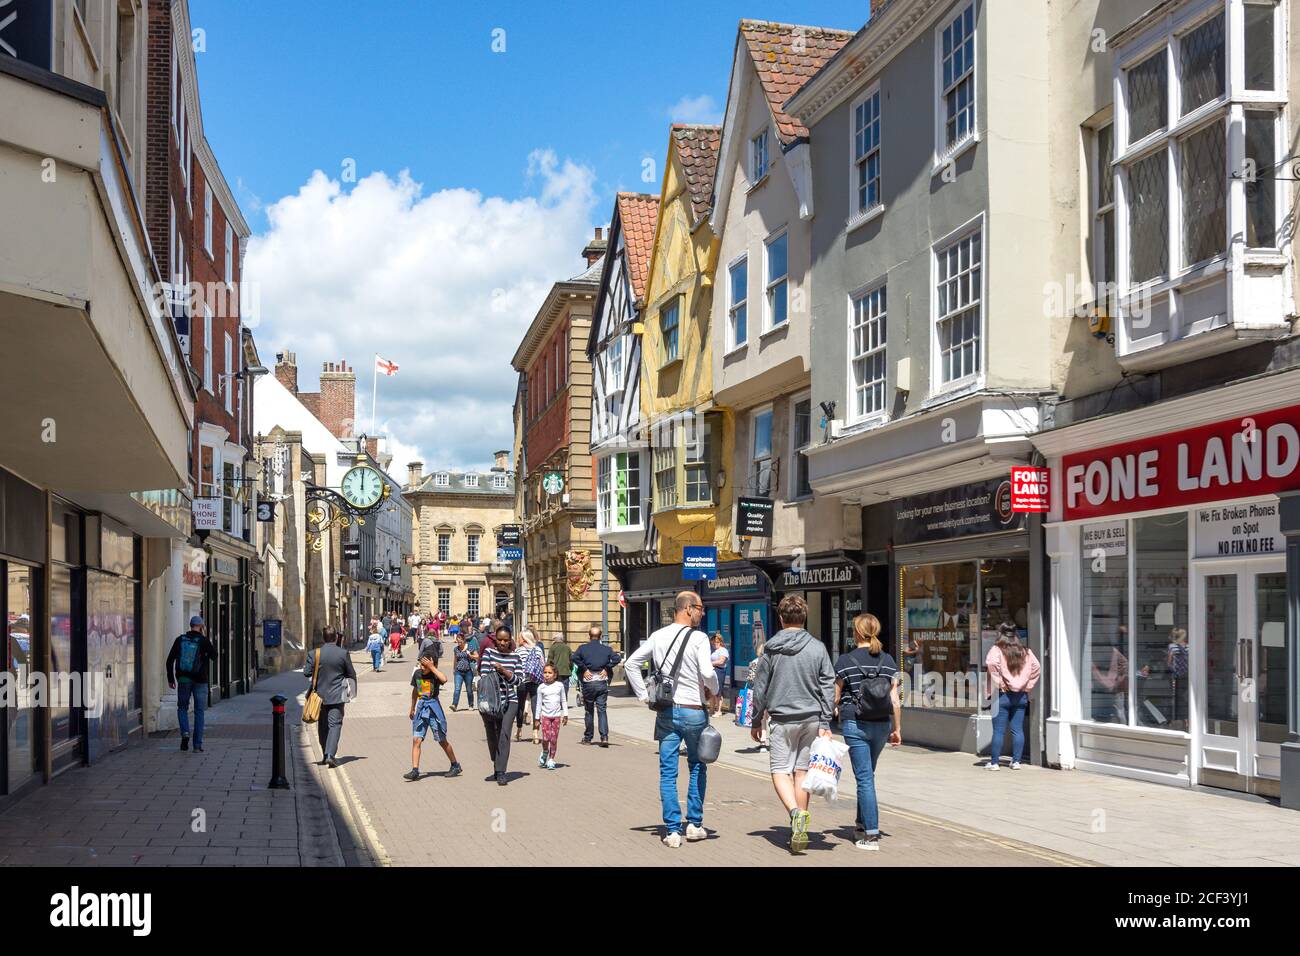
x=604, y=590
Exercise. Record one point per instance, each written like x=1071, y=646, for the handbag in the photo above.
x=311, y=706
x=661, y=687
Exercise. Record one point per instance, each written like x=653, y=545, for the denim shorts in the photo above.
x=429, y=716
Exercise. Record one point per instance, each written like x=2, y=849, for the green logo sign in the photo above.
x=552, y=482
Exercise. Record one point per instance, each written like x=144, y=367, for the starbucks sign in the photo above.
x=552, y=482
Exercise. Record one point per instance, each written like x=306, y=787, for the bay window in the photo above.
x=684, y=461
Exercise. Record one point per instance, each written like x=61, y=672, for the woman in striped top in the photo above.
x=509, y=666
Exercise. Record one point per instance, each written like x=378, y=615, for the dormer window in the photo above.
x=471, y=481
x=441, y=480
x=499, y=482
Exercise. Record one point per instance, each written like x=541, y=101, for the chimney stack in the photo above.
x=338, y=398
x=414, y=472
x=502, y=457
x=595, y=249
x=286, y=370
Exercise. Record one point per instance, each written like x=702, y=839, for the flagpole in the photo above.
x=374, y=391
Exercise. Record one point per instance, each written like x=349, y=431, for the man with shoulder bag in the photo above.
x=330, y=669
x=680, y=673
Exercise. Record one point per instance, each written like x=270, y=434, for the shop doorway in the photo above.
x=1242, y=681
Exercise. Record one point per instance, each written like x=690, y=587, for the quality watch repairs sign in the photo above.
x=1238, y=458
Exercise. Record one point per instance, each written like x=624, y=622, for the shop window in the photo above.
x=1135, y=653
x=938, y=617
x=20, y=661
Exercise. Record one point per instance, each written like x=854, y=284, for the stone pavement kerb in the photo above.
x=1091, y=816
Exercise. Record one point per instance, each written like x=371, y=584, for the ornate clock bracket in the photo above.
x=327, y=509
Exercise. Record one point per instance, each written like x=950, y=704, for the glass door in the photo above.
x=1241, y=609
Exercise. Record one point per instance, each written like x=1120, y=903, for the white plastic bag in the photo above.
x=825, y=762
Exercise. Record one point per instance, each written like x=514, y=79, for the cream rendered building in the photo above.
x=456, y=516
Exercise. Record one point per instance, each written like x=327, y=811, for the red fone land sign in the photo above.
x=1029, y=489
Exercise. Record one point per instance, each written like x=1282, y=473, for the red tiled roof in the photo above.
x=782, y=70
x=637, y=213
x=697, y=148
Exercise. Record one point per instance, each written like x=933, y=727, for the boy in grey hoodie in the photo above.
x=794, y=683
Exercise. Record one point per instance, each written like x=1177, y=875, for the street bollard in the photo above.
x=278, y=781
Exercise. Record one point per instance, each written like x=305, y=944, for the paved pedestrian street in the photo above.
x=601, y=806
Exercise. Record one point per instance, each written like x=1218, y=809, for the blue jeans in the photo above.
x=672, y=728
x=462, y=679
x=377, y=657
x=185, y=692
x=866, y=740
x=1011, y=707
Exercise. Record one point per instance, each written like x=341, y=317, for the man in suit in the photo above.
x=331, y=684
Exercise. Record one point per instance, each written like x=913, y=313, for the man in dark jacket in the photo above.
x=594, y=664
x=187, y=666
x=331, y=684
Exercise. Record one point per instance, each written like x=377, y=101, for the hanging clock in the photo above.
x=362, y=487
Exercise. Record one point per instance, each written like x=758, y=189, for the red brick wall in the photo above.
x=158, y=148
x=338, y=397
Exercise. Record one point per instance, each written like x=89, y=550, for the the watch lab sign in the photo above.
x=27, y=31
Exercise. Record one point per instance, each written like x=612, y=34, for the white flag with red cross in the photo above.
x=385, y=366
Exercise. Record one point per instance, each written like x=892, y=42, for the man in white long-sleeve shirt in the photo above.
x=687, y=718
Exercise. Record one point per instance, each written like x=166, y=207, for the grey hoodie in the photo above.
x=794, y=680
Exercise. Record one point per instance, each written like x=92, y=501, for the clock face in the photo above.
x=362, y=487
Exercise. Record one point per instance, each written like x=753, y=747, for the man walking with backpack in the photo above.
x=794, y=683
x=187, y=666
x=594, y=664
x=679, y=662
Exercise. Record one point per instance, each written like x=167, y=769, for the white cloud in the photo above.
x=443, y=284
x=703, y=109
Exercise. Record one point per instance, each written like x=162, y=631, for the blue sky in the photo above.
x=478, y=176
x=289, y=86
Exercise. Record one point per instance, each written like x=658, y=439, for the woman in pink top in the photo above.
x=1013, y=669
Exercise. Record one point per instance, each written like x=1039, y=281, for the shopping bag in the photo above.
x=745, y=708
x=825, y=762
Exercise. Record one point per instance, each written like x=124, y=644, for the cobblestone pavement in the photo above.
x=600, y=807
x=151, y=804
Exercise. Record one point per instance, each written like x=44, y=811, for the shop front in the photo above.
x=649, y=589
x=226, y=616
x=1170, y=593
x=831, y=584
x=961, y=567
x=738, y=605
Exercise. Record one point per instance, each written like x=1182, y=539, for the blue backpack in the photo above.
x=189, y=660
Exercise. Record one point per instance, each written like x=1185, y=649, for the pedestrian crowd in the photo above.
x=794, y=697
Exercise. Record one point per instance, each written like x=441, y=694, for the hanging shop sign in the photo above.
x=552, y=482
x=27, y=32
x=1228, y=460
x=510, y=554
x=754, y=517
x=207, y=514
x=1240, y=529
x=979, y=508
x=378, y=575
x=699, y=563
x=510, y=536
x=266, y=511
x=352, y=551
x=1030, y=490
x=814, y=576
x=271, y=632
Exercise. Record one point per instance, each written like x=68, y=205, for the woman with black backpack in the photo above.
x=501, y=671
x=869, y=711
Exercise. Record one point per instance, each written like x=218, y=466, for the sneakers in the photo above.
x=550, y=765
x=864, y=842
x=455, y=770
x=185, y=743
x=412, y=774
x=1015, y=765
x=673, y=840
x=991, y=766
x=799, y=820
x=541, y=759
x=695, y=834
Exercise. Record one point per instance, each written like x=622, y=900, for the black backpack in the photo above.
x=871, y=699
x=493, y=700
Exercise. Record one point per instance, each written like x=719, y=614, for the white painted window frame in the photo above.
x=500, y=482
x=230, y=255
x=794, y=494
x=439, y=545
x=228, y=379
x=856, y=214
x=769, y=325
x=471, y=481
x=942, y=151
x=863, y=292
x=441, y=480
x=752, y=473
x=207, y=349
x=759, y=151
x=207, y=217
x=732, y=343
x=938, y=386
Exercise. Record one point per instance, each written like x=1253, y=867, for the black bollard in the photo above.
x=278, y=781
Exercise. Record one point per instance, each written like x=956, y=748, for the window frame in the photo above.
x=673, y=305
x=207, y=349
x=207, y=217
x=862, y=294
x=473, y=548
x=759, y=149
x=978, y=224
x=614, y=373
x=769, y=284
x=500, y=482
x=753, y=474
x=1098, y=211
x=441, y=479
x=732, y=342
x=944, y=151
x=228, y=379
x=471, y=481
x=230, y=255
x=795, y=492
x=443, y=545
x=856, y=214
x=606, y=471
